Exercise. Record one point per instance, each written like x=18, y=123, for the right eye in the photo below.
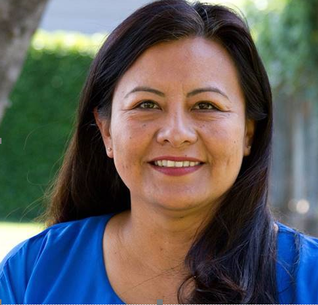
x=147, y=105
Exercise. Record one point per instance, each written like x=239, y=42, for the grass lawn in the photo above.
x=12, y=233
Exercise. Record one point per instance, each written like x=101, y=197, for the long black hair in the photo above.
x=233, y=258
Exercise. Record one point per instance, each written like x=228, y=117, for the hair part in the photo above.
x=233, y=258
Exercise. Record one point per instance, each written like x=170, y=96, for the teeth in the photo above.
x=179, y=164
x=168, y=163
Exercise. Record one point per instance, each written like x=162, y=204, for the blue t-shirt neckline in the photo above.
x=281, y=229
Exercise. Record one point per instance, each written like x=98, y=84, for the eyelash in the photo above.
x=146, y=102
x=154, y=104
x=209, y=104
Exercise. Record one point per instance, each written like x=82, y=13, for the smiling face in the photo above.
x=180, y=101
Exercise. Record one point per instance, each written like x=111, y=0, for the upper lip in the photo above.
x=174, y=158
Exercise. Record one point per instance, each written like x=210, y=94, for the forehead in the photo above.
x=185, y=63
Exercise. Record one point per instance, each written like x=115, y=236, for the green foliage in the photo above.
x=39, y=122
x=287, y=37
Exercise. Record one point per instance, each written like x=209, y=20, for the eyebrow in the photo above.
x=192, y=93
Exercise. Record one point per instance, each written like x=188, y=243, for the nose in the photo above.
x=177, y=129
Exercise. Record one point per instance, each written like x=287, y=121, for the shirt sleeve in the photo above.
x=7, y=294
x=16, y=269
x=11, y=276
x=307, y=281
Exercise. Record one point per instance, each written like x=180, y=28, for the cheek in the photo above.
x=130, y=142
x=128, y=134
x=225, y=141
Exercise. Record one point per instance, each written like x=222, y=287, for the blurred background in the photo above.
x=46, y=48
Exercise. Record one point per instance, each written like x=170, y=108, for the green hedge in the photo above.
x=36, y=127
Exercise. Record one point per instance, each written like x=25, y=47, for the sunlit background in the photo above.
x=38, y=123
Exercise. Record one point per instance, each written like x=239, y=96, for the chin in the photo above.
x=179, y=205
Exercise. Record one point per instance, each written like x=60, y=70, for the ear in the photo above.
x=104, y=128
x=249, y=135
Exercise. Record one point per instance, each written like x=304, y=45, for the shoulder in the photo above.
x=298, y=256
x=32, y=268
x=291, y=238
x=59, y=236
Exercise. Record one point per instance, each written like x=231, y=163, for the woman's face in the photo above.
x=180, y=101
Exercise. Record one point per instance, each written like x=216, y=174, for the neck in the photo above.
x=159, y=240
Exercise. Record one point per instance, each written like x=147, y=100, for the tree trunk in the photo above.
x=294, y=188
x=18, y=21
x=311, y=167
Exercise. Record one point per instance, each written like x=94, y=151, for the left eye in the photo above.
x=205, y=106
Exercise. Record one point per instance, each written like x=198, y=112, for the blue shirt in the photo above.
x=64, y=264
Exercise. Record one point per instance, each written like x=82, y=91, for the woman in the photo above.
x=163, y=193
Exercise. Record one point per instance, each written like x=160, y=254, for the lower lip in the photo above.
x=176, y=171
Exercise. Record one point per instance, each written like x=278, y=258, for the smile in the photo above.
x=169, y=163
x=176, y=168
